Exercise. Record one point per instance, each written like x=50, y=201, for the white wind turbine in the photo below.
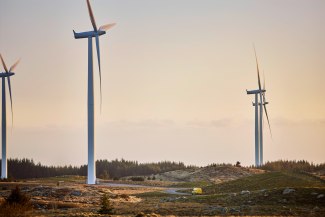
x=259, y=104
x=91, y=178
x=4, y=75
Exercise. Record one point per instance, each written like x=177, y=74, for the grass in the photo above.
x=15, y=210
x=266, y=195
x=269, y=180
x=200, y=184
x=267, y=202
x=63, y=178
x=152, y=194
x=16, y=204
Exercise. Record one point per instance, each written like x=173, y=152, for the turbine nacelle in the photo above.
x=255, y=91
x=6, y=74
x=89, y=34
x=265, y=103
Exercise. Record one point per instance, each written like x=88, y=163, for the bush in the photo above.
x=137, y=178
x=16, y=204
x=106, y=206
x=18, y=197
x=104, y=175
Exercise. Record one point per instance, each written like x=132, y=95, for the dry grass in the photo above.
x=15, y=210
x=16, y=204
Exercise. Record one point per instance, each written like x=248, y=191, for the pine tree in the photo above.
x=106, y=206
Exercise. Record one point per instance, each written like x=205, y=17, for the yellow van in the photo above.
x=197, y=191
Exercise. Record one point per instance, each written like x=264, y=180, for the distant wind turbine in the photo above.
x=91, y=178
x=4, y=75
x=259, y=104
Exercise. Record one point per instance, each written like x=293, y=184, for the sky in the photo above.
x=174, y=76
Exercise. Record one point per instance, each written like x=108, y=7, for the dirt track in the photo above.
x=168, y=190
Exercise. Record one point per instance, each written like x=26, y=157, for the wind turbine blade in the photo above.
x=263, y=80
x=10, y=95
x=106, y=27
x=268, y=121
x=263, y=94
x=258, y=71
x=14, y=65
x=263, y=100
x=91, y=15
x=3, y=63
x=100, y=73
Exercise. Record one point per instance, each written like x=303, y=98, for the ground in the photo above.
x=251, y=194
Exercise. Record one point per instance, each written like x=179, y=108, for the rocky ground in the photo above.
x=251, y=194
x=71, y=198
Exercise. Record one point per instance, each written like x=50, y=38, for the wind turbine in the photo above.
x=4, y=75
x=260, y=104
x=91, y=178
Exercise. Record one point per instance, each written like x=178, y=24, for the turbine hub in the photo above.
x=6, y=74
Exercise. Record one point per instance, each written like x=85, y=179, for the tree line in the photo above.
x=293, y=165
x=115, y=169
x=27, y=168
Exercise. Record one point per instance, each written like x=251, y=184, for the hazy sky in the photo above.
x=174, y=76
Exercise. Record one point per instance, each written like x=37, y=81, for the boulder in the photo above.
x=288, y=191
x=76, y=193
x=245, y=192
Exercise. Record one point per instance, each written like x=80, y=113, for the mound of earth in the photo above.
x=215, y=173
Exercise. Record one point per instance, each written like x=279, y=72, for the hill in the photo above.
x=270, y=193
x=268, y=180
x=212, y=173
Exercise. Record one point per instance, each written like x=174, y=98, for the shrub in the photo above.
x=16, y=204
x=106, y=206
x=18, y=197
x=137, y=178
x=104, y=175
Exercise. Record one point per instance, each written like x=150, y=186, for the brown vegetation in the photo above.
x=17, y=204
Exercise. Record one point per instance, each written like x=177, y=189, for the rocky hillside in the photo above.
x=215, y=174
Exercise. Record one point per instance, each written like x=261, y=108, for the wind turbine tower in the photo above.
x=5, y=75
x=256, y=104
x=259, y=104
x=91, y=177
